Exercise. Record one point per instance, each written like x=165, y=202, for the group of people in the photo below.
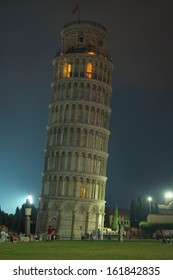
x=52, y=236
x=95, y=235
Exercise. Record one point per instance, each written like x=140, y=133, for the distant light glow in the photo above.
x=92, y=53
x=30, y=198
x=150, y=198
x=168, y=195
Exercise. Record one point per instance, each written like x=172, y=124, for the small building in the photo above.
x=160, y=219
x=124, y=217
x=166, y=209
x=164, y=216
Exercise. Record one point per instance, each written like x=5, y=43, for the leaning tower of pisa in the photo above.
x=72, y=200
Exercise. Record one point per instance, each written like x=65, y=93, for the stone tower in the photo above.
x=74, y=178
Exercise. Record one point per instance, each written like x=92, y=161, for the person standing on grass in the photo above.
x=121, y=232
x=98, y=234
x=49, y=233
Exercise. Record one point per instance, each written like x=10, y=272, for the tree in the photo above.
x=0, y=217
x=11, y=222
x=33, y=218
x=133, y=213
x=114, y=225
x=107, y=217
x=144, y=225
x=17, y=220
x=139, y=210
x=6, y=220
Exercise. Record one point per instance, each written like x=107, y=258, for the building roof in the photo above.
x=85, y=22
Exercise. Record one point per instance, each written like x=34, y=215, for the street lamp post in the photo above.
x=27, y=221
x=149, y=200
x=28, y=210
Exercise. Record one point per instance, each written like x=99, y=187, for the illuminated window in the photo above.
x=83, y=192
x=89, y=70
x=66, y=70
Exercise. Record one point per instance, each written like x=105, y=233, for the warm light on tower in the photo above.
x=89, y=70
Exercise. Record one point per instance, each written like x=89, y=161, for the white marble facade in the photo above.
x=74, y=177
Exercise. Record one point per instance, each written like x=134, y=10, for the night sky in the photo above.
x=141, y=141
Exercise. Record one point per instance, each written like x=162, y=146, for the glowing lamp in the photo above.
x=168, y=195
x=30, y=198
x=149, y=200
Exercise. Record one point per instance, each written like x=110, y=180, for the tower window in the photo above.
x=67, y=70
x=89, y=70
x=83, y=192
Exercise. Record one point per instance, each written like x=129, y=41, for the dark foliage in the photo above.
x=16, y=222
x=139, y=210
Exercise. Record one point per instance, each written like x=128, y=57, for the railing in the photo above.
x=84, y=50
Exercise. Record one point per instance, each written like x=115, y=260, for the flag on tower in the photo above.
x=75, y=8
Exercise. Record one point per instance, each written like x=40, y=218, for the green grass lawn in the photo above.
x=87, y=250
